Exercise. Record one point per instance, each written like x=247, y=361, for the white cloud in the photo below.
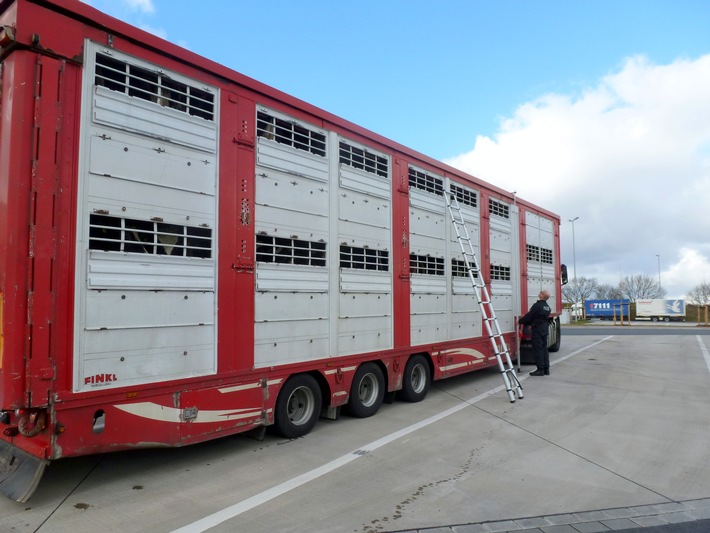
x=691, y=270
x=630, y=157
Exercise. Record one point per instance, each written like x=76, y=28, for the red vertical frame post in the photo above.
x=400, y=253
x=558, y=263
x=46, y=129
x=236, y=233
x=485, y=250
x=65, y=224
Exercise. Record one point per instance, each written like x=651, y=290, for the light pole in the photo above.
x=574, y=262
x=659, y=271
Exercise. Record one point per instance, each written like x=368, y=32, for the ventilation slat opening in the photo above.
x=153, y=86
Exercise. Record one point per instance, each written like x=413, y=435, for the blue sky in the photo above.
x=596, y=109
x=426, y=74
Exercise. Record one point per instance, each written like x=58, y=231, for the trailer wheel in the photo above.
x=666, y=319
x=417, y=378
x=298, y=406
x=367, y=391
x=654, y=319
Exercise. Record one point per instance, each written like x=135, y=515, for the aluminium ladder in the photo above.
x=500, y=347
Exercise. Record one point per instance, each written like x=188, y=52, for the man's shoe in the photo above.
x=537, y=373
x=547, y=372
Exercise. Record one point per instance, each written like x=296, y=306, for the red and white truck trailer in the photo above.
x=186, y=253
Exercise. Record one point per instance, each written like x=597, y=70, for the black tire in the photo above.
x=666, y=319
x=558, y=337
x=298, y=406
x=654, y=319
x=416, y=379
x=367, y=391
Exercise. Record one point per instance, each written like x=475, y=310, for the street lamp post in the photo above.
x=574, y=263
x=659, y=271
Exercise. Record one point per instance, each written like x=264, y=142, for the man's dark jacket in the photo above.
x=538, y=316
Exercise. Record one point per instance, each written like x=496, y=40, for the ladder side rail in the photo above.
x=495, y=335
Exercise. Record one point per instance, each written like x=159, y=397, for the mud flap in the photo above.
x=20, y=472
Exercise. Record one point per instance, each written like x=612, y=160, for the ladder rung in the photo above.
x=500, y=347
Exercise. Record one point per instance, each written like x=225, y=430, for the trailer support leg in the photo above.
x=20, y=472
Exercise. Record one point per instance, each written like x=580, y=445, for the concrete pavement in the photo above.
x=680, y=516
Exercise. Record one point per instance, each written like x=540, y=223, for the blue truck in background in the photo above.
x=607, y=309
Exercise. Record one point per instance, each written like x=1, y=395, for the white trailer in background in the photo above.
x=660, y=309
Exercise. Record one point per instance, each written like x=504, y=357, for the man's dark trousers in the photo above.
x=539, y=346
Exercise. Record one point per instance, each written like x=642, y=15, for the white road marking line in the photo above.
x=704, y=349
x=235, y=510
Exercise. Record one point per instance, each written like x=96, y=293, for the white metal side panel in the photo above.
x=135, y=356
x=465, y=313
x=502, y=298
x=289, y=327
x=272, y=277
x=426, y=329
x=373, y=186
x=365, y=305
x=127, y=309
x=291, y=160
x=473, y=227
x=145, y=309
x=353, y=280
x=501, y=252
x=466, y=324
x=289, y=306
x=292, y=300
x=365, y=311
x=122, y=156
x=425, y=284
x=291, y=206
x=109, y=270
x=428, y=312
x=539, y=232
x=465, y=317
x=364, y=334
x=147, y=119
x=364, y=216
x=534, y=288
x=427, y=223
x=135, y=200
x=363, y=221
x=290, y=341
x=427, y=304
x=463, y=286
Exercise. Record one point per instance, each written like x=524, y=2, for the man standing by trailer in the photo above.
x=538, y=318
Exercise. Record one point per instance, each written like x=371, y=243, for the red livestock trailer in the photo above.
x=187, y=253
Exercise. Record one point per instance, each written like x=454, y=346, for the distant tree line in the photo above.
x=636, y=287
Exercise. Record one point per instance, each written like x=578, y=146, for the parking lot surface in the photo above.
x=615, y=437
